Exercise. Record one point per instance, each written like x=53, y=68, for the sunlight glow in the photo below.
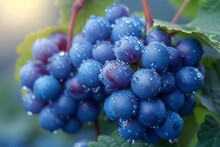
x=18, y=13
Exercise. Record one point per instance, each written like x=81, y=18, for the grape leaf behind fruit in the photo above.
x=205, y=26
x=113, y=141
x=209, y=133
x=210, y=97
x=24, y=49
x=96, y=7
x=191, y=10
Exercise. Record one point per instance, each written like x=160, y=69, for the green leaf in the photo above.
x=205, y=26
x=91, y=7
x=190, y=11
x=210, y=97
x=24, y=49
x=113, y=141
x=209, y=133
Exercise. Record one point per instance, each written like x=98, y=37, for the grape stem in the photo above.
x=180, y=11
x=177, y=16
x=97, y=129
x=147, y=14
x=77, y=6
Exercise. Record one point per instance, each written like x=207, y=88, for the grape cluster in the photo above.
x=146, y=82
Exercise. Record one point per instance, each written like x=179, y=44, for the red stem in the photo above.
x=147, y=14
x=97, y=129
x=77, y=6
x=180, y=11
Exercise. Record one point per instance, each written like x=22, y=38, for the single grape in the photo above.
x=75, y=89
x=156, y=56
x=60, y=66
x=128, y=49
x=150, y=136
x=103, y=51
x=191, y=51
x=60, y=39
x=116, y=75
x=88, y=73
x=123, y=103
x=175, y=60
x=43, y=49
x=126, y=26
x=97, y=28
x=174, y=100
x=167, y=82
x=145, y=83
x=79, y=38
x=189, y=79
x=88, y=110
x=151, y=113
x=79, y=52
x=48, y=120
x=100, y=95
x=132, y=130
x=71, y=126
x=47, y=88
x=188, y=107
x=30, y=72
x=116, y=11
x=32, y=104
x=171, y=126
x=158, y=35
x=108, y=111
x=64, y=106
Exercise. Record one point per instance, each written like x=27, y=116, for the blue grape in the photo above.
x=88, y=110
x=75, y=89
x=79, y=52
x=32, y=104
x=116, y=11
x=97, y=28
x=158, y=35
x=64, y=106
x=60, y=39
x=150, y=136
x=191, y=51
x=108, y=111
x=174, y=100
x=47, y=88
x=156, y=56
x=175, y=60
x=88, y=73
x=188, y=107
x=167, y=82
x=128, y=49
x=142, y=22
x=30, y=72
x=123, y=103
x=100, y=95
x=71, y=126
x=60, y=66
x=132, y=130
x=171, y=126
x=43, y=49
x=116, y=75
x=126, y=26
x=103, y=51
x=48, y=120
x=151, y=113
x=79, y=38
x=145, y=83
x=189, y=79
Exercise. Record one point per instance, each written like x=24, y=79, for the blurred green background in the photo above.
x=17, y=19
